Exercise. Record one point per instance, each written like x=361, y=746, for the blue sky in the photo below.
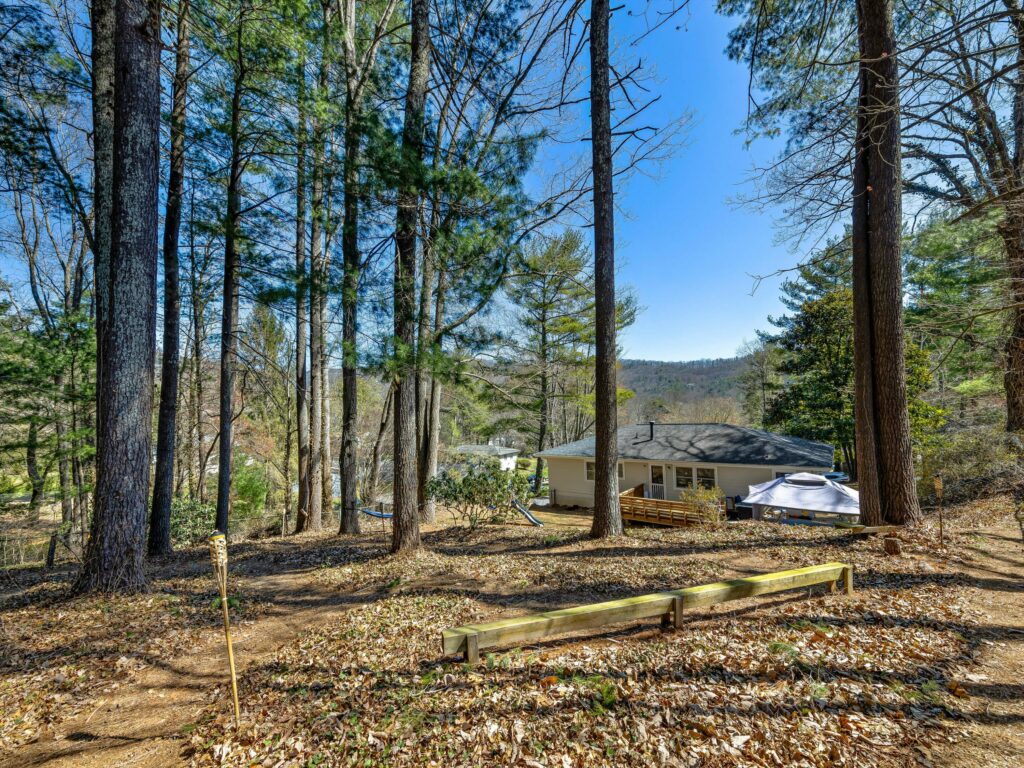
x=681, y=244
x=687, y=251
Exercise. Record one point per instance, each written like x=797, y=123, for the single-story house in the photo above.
x=668, y=458
x=506, y=456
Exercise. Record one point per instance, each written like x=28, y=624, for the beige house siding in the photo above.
x=635, y=474
x=734, y=481
x=567, y=478
x=569, y=485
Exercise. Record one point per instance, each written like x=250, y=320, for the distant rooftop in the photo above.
x=487, y=450
x=706, y=443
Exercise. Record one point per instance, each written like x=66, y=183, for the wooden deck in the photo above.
x=636, y=508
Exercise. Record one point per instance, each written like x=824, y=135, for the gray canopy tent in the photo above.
x=804, y=498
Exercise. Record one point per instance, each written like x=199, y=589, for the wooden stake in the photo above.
x=472, y=649
x=219, y=558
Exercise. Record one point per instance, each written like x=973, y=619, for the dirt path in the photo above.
x=995, y=707
x=140, y=724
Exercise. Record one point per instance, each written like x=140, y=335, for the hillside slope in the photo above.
x=684, y=382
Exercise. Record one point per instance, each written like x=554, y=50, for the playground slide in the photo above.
x=526, y=513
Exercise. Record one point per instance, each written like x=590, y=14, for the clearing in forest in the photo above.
x=339, y=647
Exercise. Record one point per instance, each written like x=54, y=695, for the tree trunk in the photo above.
x=229, y=316
x=884, y=456
x=424, y=384
x=103, y=23
x=431, y=438
x=163, y=480
x=114, y=557
x=77, y=472
x=287, y=469
x=433, y=443
x=359, y=68
x=317, y=295
x=349, y=313
x=36, y=478
x=67, y=497
x=405, y=521
x=314, y=520
x=607, y=516
x=301, y=321
x=433, y=415
x=327, y=478
x=182, y=448
x=1011, y=229
x=542, y=426
x=197, y=377
x=385, y=421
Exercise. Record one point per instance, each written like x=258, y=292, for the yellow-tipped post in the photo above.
x=219, y=558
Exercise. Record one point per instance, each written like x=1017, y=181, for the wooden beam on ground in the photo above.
x=865, y=530
x=470, y=639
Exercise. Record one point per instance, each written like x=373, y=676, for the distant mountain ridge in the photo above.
x=686, y=381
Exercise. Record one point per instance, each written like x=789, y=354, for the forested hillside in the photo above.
x=695, y=390
x=683, y=381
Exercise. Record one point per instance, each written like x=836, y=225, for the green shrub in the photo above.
x=13, y=485
x=250, y=486
x=974, y=463
x=191, y=522
x=705, y=499
x=479, y=492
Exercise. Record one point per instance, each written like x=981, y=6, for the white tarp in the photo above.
x=803, y=492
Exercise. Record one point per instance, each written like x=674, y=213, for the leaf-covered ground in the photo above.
x=59, y=654
x=340, y=655
x=804, y=678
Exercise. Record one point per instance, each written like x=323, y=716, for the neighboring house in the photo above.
x=505, y=456
x=668, y=458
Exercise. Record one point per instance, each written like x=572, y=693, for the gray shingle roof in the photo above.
x=706, y=443
x=486, y=450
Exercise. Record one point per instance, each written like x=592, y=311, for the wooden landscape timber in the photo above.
x=638, y=509
x=670, y=605
x=866, y=530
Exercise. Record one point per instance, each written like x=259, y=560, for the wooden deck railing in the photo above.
x=665, y=512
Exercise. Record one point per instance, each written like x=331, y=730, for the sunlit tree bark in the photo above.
x=114, y=556
x=405, y=523
x=607, y=516
x=885, y=467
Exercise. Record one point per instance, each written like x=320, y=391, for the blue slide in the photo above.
x=526, y=513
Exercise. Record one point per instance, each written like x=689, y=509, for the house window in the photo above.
x=706, y=477
x=592, y=470
x=684, y=477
